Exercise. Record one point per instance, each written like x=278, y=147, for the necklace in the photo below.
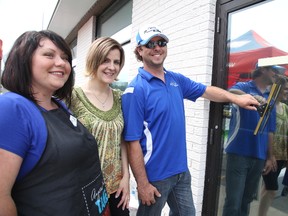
x=103, y=103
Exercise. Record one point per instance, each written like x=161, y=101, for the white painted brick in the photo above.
x=189, y=25
x=84, y=40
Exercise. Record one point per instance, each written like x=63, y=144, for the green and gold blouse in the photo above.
x=106, y=127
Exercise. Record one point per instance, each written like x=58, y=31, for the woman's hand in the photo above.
x=124, y=189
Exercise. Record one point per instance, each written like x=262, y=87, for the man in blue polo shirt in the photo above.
x=248, y=155
x=154, y=126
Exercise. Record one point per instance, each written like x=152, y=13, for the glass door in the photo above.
x=250, y=34
x=254, y=33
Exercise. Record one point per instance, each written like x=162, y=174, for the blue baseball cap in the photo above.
x=147, y=32
x=279, y=69
x=276, y=68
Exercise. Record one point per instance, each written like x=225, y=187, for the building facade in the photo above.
x=198, y=31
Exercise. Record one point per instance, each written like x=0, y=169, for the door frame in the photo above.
x=219, y=78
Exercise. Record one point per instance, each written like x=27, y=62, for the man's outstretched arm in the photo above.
x=217, y=94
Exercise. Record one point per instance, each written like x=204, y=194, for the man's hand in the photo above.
x=147, y=193
x=247, y=101
x=260, y=99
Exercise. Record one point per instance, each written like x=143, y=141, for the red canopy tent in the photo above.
x=244, y=57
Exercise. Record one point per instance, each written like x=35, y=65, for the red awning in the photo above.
x=244, y=54
x=243, y=63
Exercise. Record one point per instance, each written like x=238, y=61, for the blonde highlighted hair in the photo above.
x=98, y=52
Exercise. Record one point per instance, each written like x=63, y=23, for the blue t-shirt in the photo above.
x=154, y=114
x=241, y=138
x=22, y=130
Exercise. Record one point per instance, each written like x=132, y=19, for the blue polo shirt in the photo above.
x=153, y=113
x=241, y=139
x=22, y=130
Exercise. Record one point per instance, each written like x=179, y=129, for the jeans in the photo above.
x=242, y=179
x=176, y=191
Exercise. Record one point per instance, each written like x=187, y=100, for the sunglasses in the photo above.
x=152, y=44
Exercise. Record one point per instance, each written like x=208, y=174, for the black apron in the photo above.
x=67, y=180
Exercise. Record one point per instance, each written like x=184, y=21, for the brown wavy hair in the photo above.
x=98, y=52
x=17, y=74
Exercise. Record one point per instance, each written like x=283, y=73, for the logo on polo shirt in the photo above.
x=174, y=84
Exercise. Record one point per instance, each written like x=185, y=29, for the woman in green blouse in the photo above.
x=98, y=107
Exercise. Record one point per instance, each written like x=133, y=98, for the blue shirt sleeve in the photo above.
x=15, y=129
x=243, y=86
x=133, y=113
x=22, y=130
x=191, y=90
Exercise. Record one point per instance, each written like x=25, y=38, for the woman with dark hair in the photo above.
x=49, y=163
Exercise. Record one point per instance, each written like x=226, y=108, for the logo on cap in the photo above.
x=151, y=29
x=146, y=33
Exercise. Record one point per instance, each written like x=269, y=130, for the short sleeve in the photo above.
x=191, y=90
x=22, y=130
x=14, y=127
x=133, y=113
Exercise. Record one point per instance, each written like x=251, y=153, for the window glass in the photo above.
x=115, y=22
x=256, y=38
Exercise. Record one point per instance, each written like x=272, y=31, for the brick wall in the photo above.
x=189, y=25
x=84, y=39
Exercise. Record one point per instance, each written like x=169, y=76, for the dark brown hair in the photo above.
x=17, y=74
x=137, y=55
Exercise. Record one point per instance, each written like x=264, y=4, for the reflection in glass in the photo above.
x=254, y=33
